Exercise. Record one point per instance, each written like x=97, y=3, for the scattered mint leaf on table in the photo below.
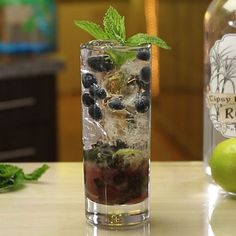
x=36, y=174
x=12, y=176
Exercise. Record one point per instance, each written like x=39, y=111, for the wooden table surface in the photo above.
x=183, y=202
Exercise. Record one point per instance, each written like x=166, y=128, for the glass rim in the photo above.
x=111, y=44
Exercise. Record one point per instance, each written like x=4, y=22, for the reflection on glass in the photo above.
x=221, y=212
x=213, y=194
x=143, y=230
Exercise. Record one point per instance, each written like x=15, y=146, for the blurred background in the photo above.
x=40, y=107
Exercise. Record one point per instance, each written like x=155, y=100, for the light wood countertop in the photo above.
x=183, y=202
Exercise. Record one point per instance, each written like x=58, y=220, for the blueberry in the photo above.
x=97, y=92
x=87, y=100
x=143, y=54
x=146, y=87
x=142, y=104
x=142, y=85
x=145, y=74
x=146, y=93
x=116, y=104
x=88, y=79
x=101, y=63
x=95, y=112
x=101, y=93
x=93, y=90
x=121, y=144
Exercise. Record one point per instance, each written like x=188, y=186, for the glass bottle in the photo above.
x=219, y=75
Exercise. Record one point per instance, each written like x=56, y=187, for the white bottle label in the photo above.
x=221, y=91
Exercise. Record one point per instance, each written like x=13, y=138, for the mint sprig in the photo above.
x=140, y=39
x=92, y=28
x=12, y=176
x=114, y=25
x=114, y=29
x=119, y=57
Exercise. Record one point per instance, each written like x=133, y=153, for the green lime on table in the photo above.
x=223, y=165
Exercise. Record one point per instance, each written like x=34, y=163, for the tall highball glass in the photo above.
x=116, y=115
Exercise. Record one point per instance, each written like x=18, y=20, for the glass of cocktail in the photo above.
x=116, y=104
x=116, y=114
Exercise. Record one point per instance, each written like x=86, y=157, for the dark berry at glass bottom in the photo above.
x=116, y=112
x=117, y=183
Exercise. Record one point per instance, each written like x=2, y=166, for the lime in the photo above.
x=223, y=165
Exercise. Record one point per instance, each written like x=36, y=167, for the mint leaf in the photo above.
x=12, y=176
x=114, y=29
x=114, y=25
x=120, y=58
x=19, y=179
x=142, y=39
x=92, y=28
x=91, y=155
x=36, y=174
x=8, y=171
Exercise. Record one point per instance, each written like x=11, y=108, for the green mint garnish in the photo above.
x=119, y=57
x=12, y=176
x=91, y=155
x=128, y=152
x=114, y=25
x=92, y=28
x=114, y=29
x=140, y=39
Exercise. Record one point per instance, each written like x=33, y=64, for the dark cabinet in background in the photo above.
x=28, y=121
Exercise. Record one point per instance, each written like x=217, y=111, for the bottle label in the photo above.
x=221, y=91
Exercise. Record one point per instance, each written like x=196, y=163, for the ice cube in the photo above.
x=138, y=136
x=129, y=100
x=92, y=132
x=113, y=82
x=132, y=68
x=114, y=123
